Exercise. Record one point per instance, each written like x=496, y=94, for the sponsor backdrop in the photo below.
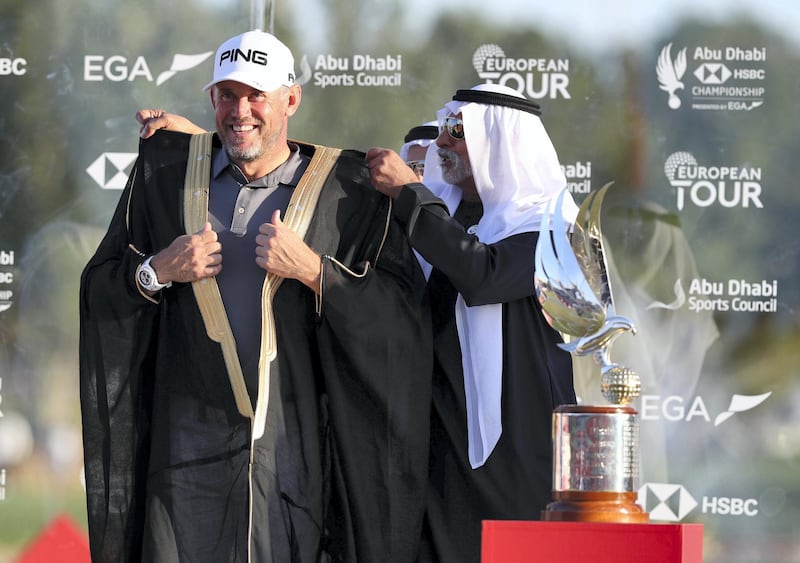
x=689, y=108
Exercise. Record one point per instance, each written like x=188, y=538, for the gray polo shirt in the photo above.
x=236, y=208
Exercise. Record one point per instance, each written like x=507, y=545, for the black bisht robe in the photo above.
x=340, y=472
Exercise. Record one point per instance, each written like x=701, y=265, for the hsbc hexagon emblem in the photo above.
x=666, y=502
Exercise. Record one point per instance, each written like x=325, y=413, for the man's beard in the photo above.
x=240, y=153
x=252, y=151
x=460, y=169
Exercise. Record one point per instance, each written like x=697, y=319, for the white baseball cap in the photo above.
x=255, y=58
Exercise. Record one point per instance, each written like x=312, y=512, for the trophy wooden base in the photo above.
x=597, y=506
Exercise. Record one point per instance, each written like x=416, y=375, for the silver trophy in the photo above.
x=595, y=448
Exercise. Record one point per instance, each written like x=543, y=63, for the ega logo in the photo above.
x=116, y=68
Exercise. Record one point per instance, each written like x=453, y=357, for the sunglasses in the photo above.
x=454, y=127
x=418, y=166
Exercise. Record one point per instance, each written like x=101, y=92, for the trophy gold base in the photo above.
x=596, y=506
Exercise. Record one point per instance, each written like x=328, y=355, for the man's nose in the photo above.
x=444, y=139
x=242, y=107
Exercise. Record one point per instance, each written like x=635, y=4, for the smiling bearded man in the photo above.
x=272, y=407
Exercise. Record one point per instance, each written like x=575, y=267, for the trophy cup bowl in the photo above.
x=595, y=448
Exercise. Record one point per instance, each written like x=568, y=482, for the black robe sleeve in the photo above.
x=376, y=346
x=116, y=327
x=481, y=273
x=118, y=332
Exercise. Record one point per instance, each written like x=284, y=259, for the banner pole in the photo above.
x=261, y=12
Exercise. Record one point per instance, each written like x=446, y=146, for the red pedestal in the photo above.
x=61, y=541
x=589, y=542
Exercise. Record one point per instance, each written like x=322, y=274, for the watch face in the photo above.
x=146, y=277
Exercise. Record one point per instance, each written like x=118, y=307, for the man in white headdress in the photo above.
x=498, y=371
x=415, y=146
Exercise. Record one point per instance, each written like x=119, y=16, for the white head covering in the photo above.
x=517, y=173
x=422, y=135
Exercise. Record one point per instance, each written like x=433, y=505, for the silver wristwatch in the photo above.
x=147, y=278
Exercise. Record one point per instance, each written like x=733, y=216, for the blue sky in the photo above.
x=617, y=23
x=610, y=23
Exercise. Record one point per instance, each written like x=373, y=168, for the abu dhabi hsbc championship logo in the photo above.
x=533, y=77
x=723, y=78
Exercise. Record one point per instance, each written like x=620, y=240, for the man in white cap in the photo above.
x=255, y=347
x=498, y=372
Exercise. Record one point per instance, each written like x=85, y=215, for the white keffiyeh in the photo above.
x=421, y=142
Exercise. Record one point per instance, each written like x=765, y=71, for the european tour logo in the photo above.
x=706, y=186
x=535, y=78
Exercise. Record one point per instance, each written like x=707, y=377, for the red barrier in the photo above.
x=62, y=540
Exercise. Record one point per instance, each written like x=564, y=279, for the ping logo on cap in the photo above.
x=251, y=56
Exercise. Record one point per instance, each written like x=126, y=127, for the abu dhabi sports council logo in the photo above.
x=670, y=72
x=355, y=70
x=117, y=68
x=111, y=169
x=579, y=176
x=535, y=78
x=737, y=295
x=724, y=78
x=706, y=186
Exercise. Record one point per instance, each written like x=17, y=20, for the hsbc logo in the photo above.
x=17, y=67
x=713, y=73
x=117, y=68
x=668, y=502
x=111, y=169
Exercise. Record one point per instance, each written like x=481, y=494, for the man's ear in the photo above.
x=295, y=95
